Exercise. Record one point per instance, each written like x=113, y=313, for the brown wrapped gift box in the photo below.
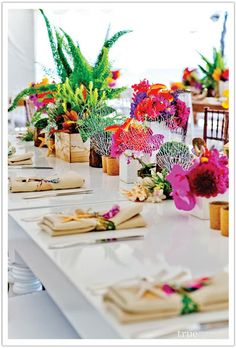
x=70, y=148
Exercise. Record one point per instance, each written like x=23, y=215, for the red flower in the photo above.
x=186, y=74
x=203, y=180
x=145, y=109
x=141, y=87
x=225, y=75
x=115, y=74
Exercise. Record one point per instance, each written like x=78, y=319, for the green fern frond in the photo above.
x=59, y=66
x=82, y=70
x=63, y=59
x=102, y=71
x=114, y=92
x=31, y=91
x=110, y=42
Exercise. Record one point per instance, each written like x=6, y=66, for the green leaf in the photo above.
x=110, y=42
x=114, y=92
x=101, y=71
x=209, y=64
x=82, y=70
x=203, y=70
x=59, y=66
x=61, y=54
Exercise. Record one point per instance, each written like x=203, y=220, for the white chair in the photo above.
x=35, y=316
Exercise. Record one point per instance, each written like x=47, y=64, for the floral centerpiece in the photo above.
x=214, y=74
x=132, y=137
x=154, y=102
x=81, y=87
x=206, y=178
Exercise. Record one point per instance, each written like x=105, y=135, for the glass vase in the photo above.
x=129, y=169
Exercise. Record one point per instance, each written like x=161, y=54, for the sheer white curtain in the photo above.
x=165, y=37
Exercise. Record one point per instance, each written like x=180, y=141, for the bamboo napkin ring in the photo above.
x=215, y=213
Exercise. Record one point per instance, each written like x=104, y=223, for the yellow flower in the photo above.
x=225, y=103
x=216, y=74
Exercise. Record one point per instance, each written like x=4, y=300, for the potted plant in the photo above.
x=87, y=85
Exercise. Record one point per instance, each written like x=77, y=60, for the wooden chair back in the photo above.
x=216, y=125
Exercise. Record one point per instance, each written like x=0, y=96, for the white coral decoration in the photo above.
x=137, y=193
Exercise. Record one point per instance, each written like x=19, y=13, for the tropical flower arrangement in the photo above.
x=154, y=102
x=207, y=177
x=41, y=100
x=134, y=136
x=191, y=78
x=81, y=89
x=115, y=74
x=214, y=71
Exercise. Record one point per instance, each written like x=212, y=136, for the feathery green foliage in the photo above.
x=61, y=54
x=60, y=68
x=82, y=70
x=74, y=71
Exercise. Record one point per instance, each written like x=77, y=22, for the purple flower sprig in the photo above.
x=112, y=212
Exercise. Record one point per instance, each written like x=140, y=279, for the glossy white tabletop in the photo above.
x=172, y=237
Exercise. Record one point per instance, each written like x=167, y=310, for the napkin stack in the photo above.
x=59, y=224
x=18, y=160
x=128, y=304
x=69, y=180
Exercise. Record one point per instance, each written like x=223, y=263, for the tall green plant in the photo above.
x=80, y=72
x=218, y=63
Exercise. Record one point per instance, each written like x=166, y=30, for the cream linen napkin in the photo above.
x=128, y=304
x=17, y=160
x=58, y=224
x=69, y=180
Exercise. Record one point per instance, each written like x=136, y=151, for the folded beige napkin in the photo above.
x=59, y=224
x=132, y=303
x=18, y=160
x=69, y=180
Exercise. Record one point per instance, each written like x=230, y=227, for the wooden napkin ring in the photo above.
x=224, y=221
x=215, y=213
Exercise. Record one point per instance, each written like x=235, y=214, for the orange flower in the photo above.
x=166, y=94
x=155, y=89
x=177, y=85
x=160, y=90
x=115, y=127
x=216, y=74
x=71, y=116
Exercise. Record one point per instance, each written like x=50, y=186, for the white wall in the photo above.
x=21, y=57
x=165, y=38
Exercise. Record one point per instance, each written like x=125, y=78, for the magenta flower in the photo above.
x=181, y=192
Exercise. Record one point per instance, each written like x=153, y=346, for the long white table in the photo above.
x=172, y=237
